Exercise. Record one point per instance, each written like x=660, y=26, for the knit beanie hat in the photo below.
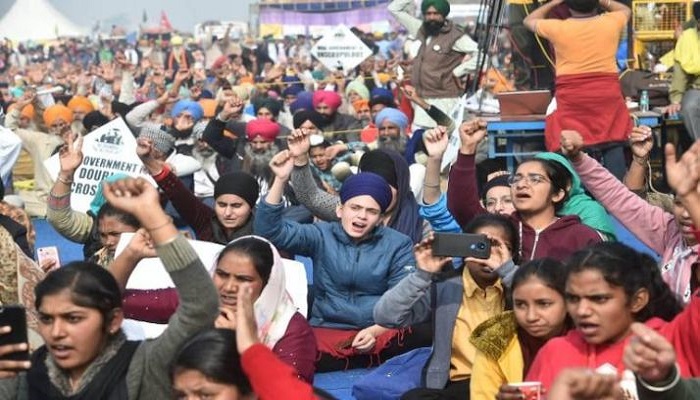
x=501, y=180
x=366, y=184
x=190, y=106
x=380, y=163
x=162, y=140
x=242, y=184
x=198, y=129
x=442, y=6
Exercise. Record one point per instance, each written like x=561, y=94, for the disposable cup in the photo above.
x=529, y=390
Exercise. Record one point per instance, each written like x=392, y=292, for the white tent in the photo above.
x=36, y=20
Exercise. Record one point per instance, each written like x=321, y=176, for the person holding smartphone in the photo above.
x=86, y=354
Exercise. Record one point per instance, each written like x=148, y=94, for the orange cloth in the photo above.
x=584, y=45
x=80, y=104
x=369, y=134
x=358, y=105
x=209, y=107
x=27, y=111
x=56, y=112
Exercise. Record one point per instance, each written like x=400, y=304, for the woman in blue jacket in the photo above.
x=356, y=260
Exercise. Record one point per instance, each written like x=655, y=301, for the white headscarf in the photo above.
x=274, y=308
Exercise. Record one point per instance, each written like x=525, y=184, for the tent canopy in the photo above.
x=37, y=20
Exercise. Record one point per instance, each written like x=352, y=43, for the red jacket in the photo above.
x=272, y=379
x=559, y=240
x=573, y=351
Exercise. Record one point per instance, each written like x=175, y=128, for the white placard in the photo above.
x=339, y=47
x=107, y=150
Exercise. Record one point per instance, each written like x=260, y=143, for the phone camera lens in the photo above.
x=482, y=246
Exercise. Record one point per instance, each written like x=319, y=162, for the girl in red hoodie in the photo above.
x=610, y=286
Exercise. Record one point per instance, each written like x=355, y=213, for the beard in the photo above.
x=396, y=143
x=181, y=134
x=432, y=28
x=206, y=156
x=258, y=164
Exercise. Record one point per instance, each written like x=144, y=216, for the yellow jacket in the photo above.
x=499, y=358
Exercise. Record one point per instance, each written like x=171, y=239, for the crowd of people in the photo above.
x=259, y=149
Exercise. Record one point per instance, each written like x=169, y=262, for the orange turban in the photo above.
x=209, y=107
x=56, y=112
x=358, y=105
x=27, y=111
x=80, y=104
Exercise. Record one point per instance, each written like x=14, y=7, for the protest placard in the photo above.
x=107, y=150
x=340, y=49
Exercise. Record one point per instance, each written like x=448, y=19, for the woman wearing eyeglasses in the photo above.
x=539, y=190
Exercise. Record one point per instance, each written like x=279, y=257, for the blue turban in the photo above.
x=394, y=116
x=193, y=107
x=380, y=92
x=367, y=184
x=292, y=90
x=304, y=101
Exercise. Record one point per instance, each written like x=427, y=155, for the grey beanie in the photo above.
x=162, y=140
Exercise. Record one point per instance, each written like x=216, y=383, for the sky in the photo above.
x=183, y=14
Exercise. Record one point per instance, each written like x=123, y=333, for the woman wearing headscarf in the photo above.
x=591, y=212
x=280, y=326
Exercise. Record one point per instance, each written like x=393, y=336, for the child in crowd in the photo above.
x=506, y=345
x=458, y=303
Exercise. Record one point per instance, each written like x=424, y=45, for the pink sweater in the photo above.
x=653, y=226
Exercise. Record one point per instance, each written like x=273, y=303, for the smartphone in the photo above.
x=46, y=254
x=14, y=316
x=461, y=245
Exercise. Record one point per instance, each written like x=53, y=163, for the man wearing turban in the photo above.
x=260, y=148
x=392, y=124
x=439, y=65
x=335, y=125
x=40, y=146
